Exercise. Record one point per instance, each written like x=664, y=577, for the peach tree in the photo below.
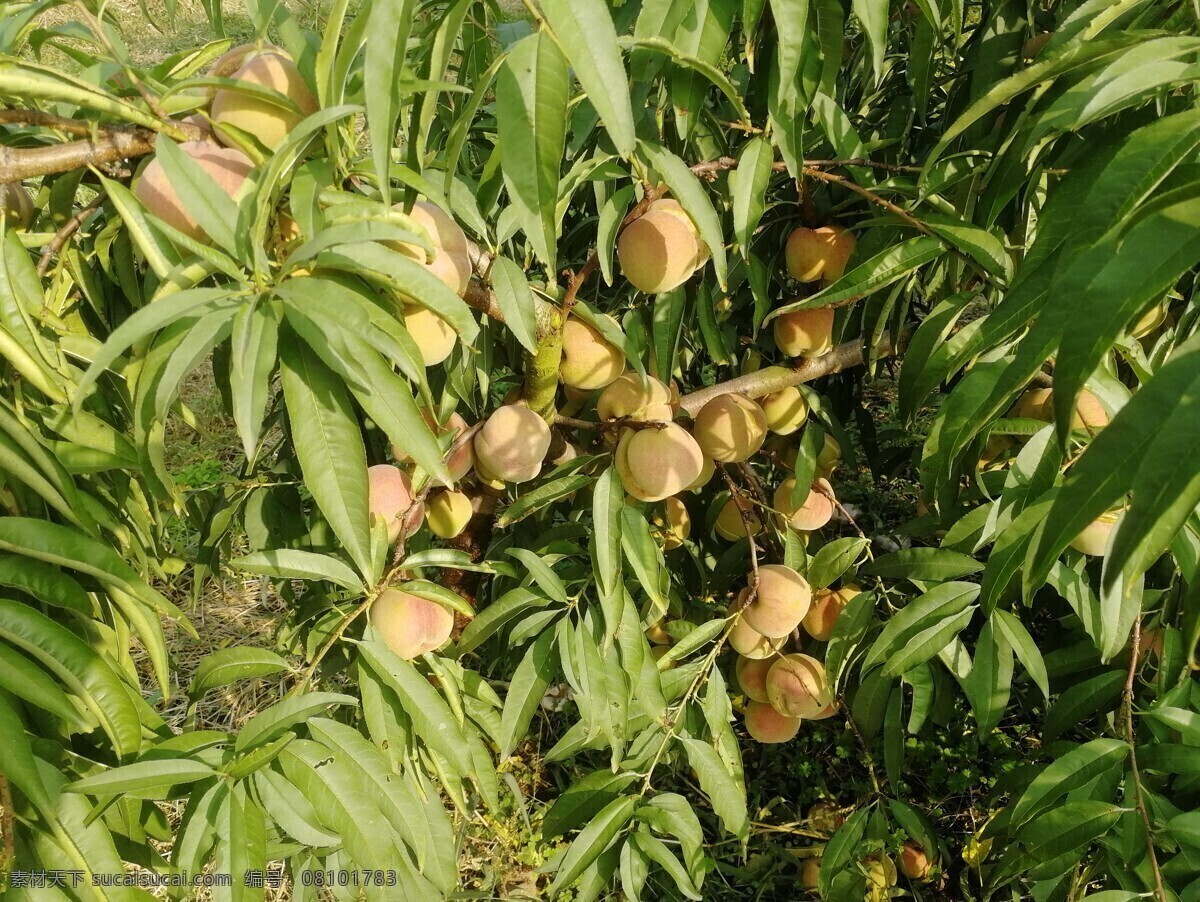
x=565, y=352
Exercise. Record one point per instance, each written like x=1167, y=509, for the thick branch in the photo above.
x=772, y=379
x=111, y=145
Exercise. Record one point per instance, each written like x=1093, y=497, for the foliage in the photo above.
x=1021, y=212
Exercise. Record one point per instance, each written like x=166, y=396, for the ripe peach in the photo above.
x=1149, y=321
x=451, y=260
x=410, y=625
x=768, y=726
x=730, y=427
x=707, y=469
x=745, y=639
x=827, y=605
x=752, y=676
x=658, y=251
x=782, y=600
x=1089, y=412
x=390, y=498
x=805, y=333
x=433, y=335
x=914, y=863
x=227, y=166
x=829, y=456
x=813, y=513
x=1093, y=540
x=656, y=463
x=810, y=873
x=813, y=254
x=632, y=397
x=461, y=460
x=785, y=410
x=797, y=686
x=512, y=444
x=589, y=361
x=731, y=526
x=267, y=121
x=1038, y=404
x=675, y=208
x=448, y=513
x=677, y=525
x=826, y=712
x=16, y=205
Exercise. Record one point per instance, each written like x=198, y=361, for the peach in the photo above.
x=656, y=463
x=16, y=205
x=390, y=498
x=730, y=524
x=730, y=427
x=677, y=525
x=460, y=461
x=827, y=605
x=768, y=726
x=410, y=625
x=805, y=333
x=813, y=513
x=745, y=639
x=658, y=251
x=752, y=676
x=227, y=166
x=797, y=686
x=632, y=397
x=267, y=121
x=782, y=600
x=589, y=361
x=448, y=513
x=914, y=863
x=707, y=469
x=810, y=873
x=451, y=259
x=511, y=445
x=829, y=456
x=814, y=254
x=786, y=410
x=1093, y=540
x=433, y=335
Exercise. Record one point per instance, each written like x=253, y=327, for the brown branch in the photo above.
x=576, y=283
x=869, y=195
x=1131, y=738
x=772, y=379
x=609, y=425
x=722, y=164
x=69, y=228
x=109, y=146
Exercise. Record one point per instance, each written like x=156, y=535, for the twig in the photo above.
x=772, y=379
x=10, y=853
x=608, y=425
x=69, y=228
x=745, y=513
x=331, y=641
x=866, y=750
x=102, y=35
x=723, y=164
x=576, y=283
x=77, y=127
x=1131, y=738
x=869, y=195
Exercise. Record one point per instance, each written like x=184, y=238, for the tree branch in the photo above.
x=772, y=379
x=77, y=127
x=109, y=146
x=69, y=228
x=1131, y=738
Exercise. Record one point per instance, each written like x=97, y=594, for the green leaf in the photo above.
x=1067, y=827
x=508, y=606
x=873, y=16
x=531, y=105
x=989, y=684
x=526, y=690
x=922, y=564
x=19, y=766
x=293, y=709
x=586, y=32
x=294, y=563
x=1025, y=647
x=975, y=241
x=791, y=22
x=645, y=557
x=832, y=561
x=608, y=499
x=888, y=266
x=725, y=792
x=542, y=497
x=388, y=26
x=44, y=582
x=213, y=209
x=329, y=447
x=516, y=301
x=597, y=836
x=24, y=679
x=686, y=188
x=84, y=672
x=252, y=359
x=612, y=214
x=1071, y=771
x=748, y=184
x=1081, y=701
x=582, y=801
x=1184, y=721
x=928, y=642
x=142, y=776
x=228, y=665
